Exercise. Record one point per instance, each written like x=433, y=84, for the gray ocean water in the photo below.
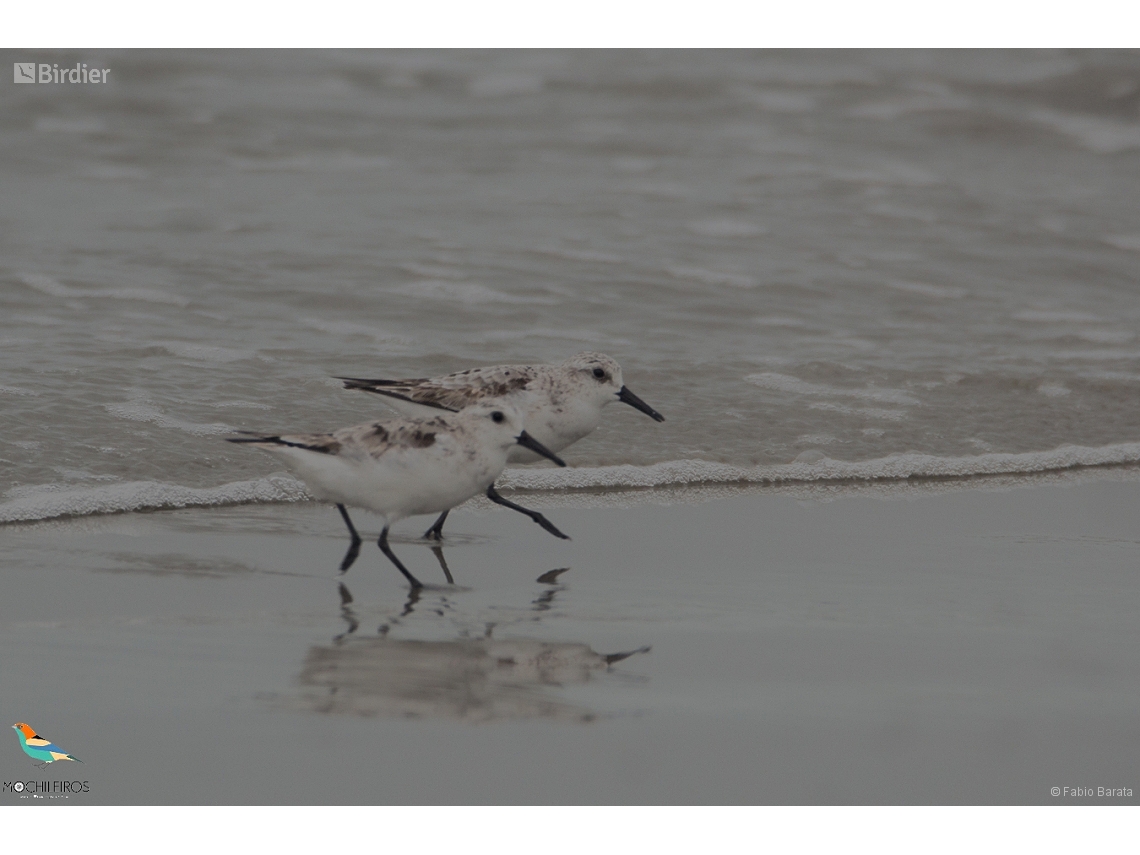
x=815, y=264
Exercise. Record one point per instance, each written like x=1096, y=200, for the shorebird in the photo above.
x=560, y=403
x=38, y=748
x=403, y=467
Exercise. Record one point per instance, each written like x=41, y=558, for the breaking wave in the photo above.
x=50, y=501
x=892, y=467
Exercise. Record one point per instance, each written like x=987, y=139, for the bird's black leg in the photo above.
x=387, y=550
x=436, y=530
x=493, y=495
x=354, y=548
x=438, y=552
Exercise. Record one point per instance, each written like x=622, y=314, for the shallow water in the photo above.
x=822, y=257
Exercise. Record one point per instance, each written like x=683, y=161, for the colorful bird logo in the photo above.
x=38, y=748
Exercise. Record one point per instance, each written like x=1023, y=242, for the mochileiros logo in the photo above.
x=38, y=748
x=46, y=789
x=30, y=72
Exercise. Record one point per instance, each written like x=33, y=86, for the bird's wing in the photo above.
x=373, y=439
x=452, y=391
x=378, y=438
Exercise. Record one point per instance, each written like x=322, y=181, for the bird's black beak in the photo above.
x=627, y=397
x=527, y=441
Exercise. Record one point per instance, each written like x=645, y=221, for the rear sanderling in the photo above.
x=403, y=467
x=560, y=403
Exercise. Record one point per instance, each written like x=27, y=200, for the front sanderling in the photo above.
x=403, y=467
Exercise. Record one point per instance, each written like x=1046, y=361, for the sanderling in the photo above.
x=561, y=404
x=403, y=467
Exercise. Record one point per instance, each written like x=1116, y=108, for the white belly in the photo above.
x=556, y=429
x=399, y=484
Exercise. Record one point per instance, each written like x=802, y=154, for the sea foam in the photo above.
x=147, y=496
x=892, y=467
x=49, y=502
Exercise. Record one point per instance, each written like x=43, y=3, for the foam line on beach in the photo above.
x=892, y=467
x=51, y=501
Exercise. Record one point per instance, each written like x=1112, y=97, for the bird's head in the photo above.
x=502, y=420
x=603, y=375
x=24, y=729
x=599, y=371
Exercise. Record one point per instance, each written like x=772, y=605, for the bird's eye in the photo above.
x=599, y=373
x=497, y=417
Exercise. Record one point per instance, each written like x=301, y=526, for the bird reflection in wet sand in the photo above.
x=550, y=577
x=347, y=613
x=437, y=551
x=352, y=620
x=541, y=604
x=472, y=680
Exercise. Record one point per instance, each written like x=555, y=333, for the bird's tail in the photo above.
x=362, y=383
x=388, y=388
x=257, y=439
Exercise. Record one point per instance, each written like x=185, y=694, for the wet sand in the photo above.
x=963, y=646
